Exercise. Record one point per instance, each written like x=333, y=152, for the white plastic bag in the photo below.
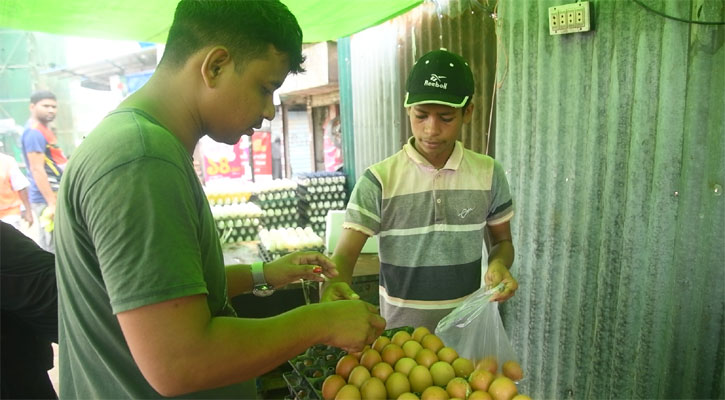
x=475, y=330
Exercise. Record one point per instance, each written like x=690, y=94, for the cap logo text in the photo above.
x=436, y=81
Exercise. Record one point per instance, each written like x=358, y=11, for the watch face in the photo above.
x=262, y=290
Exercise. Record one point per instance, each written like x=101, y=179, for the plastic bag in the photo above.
x=475, y=330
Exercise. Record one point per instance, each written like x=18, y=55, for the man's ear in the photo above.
x=217, y=59
x=468, y=113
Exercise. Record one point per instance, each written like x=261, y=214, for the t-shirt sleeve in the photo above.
x=502, y=208
x=17, y=179
x=144, y=222
x=364, y=208
x=34, y=141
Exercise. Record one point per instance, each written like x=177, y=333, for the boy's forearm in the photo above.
x=502, y=252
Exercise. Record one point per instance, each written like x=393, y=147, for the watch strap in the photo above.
x=258, y=273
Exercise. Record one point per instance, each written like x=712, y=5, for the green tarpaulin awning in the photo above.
x=149, y=20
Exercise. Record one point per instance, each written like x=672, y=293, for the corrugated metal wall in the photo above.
x=614, y=145
x=381, y=57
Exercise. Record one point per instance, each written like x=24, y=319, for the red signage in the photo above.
x=225, y=161
x=262, y=153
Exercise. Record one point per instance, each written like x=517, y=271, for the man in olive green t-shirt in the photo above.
x=144, y=307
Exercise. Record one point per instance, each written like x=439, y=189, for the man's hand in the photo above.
x=28, y=216
x=338, y=291
x=309, y=265
x=352, y=324
x=498, y=272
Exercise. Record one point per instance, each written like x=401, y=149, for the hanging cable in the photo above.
x=689, y=21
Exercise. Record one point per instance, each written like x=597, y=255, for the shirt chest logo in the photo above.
x=464, y=212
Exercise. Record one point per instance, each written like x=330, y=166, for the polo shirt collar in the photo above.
x=454, y=161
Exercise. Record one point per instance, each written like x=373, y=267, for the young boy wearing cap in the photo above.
x=430, y=205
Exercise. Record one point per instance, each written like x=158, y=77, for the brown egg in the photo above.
x=392, y=353
x=459, y=388
x=369, y=358
x=480, y=379
x=345, y=365
x=373, y=389
x=411, y=348
x=479, y=395
x=442, y=373
x=426, y=357
x=462, y=366
x=358, y=375
x=404, y=365
x=396, y=385
x=432, y=342
x=348, y=392
x=408, y=396
x=521, y=397
x=512, y=370
x=447, y=354
x=381, y=370
x=502, y=388
x=400, y=337
x=419, y=378
x=434, y=393
x=331, y=386
x=488, y=363
x=380, y=342
x=419, y=332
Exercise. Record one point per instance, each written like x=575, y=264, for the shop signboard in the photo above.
x=262, y=154
x=223, y=161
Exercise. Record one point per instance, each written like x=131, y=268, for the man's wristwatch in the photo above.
x=261, y=287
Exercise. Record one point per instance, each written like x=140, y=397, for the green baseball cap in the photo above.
x=439, y=77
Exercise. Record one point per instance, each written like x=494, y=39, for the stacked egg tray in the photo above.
x=320, y=192
x=311, y=368
x=268, y=256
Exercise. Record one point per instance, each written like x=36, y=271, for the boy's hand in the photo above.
x=338, y=291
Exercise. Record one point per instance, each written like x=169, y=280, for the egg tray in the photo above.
x=268, y=256
x=311, y=368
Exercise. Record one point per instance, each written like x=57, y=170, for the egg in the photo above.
x=404, y=365
x=396, y=385
x=419, y=332
x=392, y=353
x=512, y=370
x=480, y=379
x=358, y=375
x=488, y=363
x=381, y=370
x=420, y=378
x=502, y=388
x=348, y=392
x=380, y=342
x=459, y=388
x=331, y=386
x=369, y=358
x=411, y=348
x=373, y=389
x=434, y=393
x=432, y=342
x=479, y=395
x=345, y=365
x=400, y=337
x=426, y=357
x=447, y=354
x=462, y=366
x=442, y=373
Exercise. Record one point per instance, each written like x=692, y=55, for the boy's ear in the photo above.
x=215, y=62
x=468, y=113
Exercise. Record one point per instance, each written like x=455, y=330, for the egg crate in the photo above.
x=311, y=368
x=268, y=256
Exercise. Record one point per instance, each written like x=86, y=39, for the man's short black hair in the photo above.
x=41, y=95
x=245, y=27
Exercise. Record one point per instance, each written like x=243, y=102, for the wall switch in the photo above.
x=570, y=18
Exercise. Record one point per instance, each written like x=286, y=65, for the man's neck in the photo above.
x=165, y=99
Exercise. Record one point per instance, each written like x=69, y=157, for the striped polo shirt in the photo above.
x=430, y=225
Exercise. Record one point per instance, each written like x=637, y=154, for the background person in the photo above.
x=14, y=202
x=29, y=324
x=144, y=296
x=45, y=161
x=430, y=205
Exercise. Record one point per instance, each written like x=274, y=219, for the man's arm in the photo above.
x=28, y=212
x=37, y=170
x=180, y=348
x=346, y=253
x=500, y=259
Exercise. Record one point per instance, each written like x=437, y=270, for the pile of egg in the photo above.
x=285, y=240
